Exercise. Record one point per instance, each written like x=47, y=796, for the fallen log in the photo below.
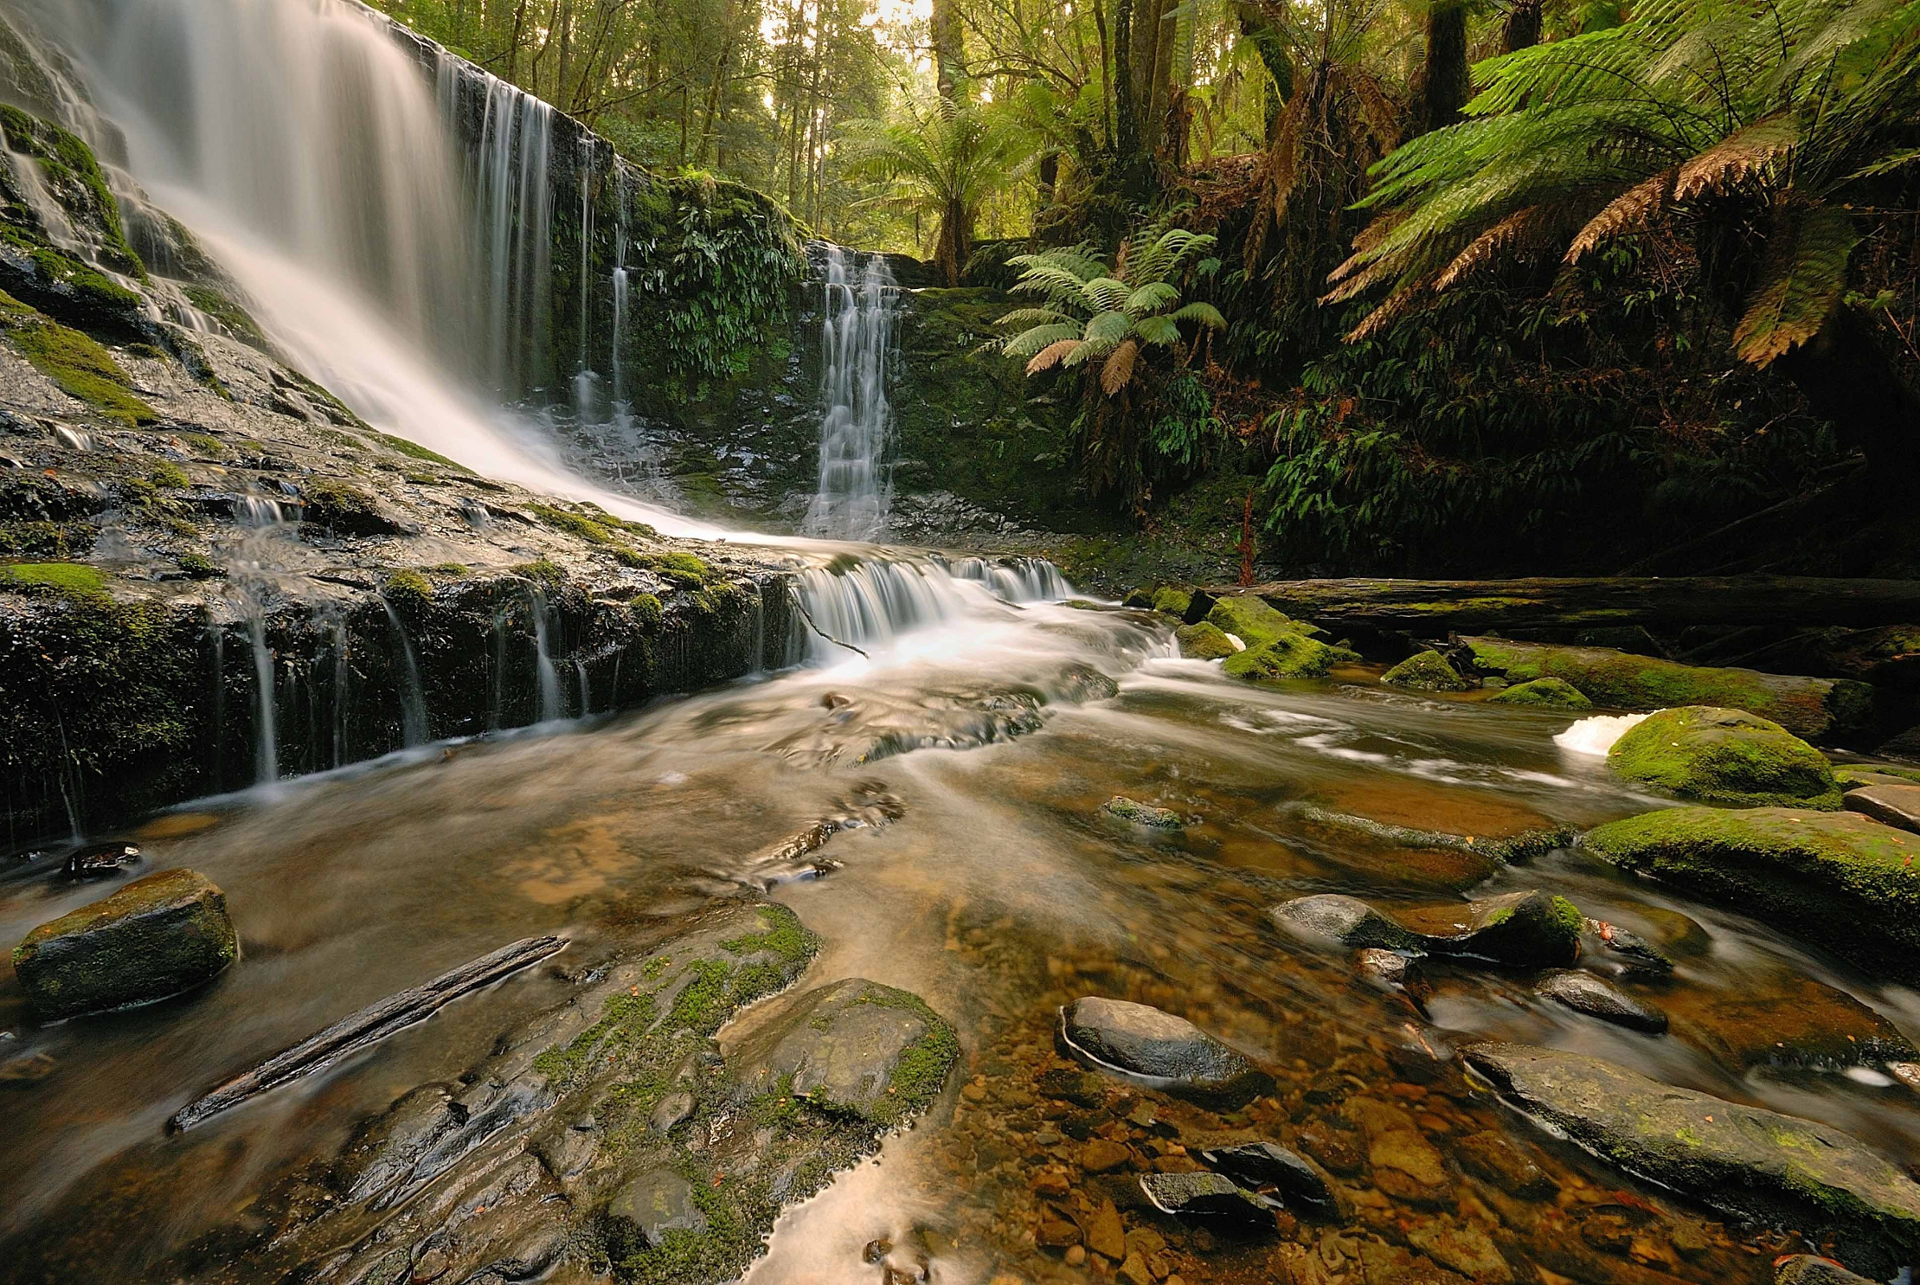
x=1439, y=607
x=367, y=1027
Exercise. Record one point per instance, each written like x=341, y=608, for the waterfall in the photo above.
x=413, y=700
x=619, y=288
x=869, y=604
x=266, y=737
x=856, y=338
x=553, y=704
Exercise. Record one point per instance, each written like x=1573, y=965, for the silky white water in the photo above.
x=852, y=498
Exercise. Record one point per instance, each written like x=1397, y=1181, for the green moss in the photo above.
x=1171, y=600
x=1287, y=656
x=55, y=579
x=205, y=443
x=647, y=611
x=1549, y=693
x=1254, y=622
x=924, y=1064
x=1204, y=641
x=169, y=475
x=1725, y=756
x=200, y=567
x=682, y=569
x=542, y=571
x=1121, y=808
x=46, y=541
x=448, y=569
x=237, y=320
x=786, y=938
x=345, y=508
x=408, y=584
x=572, y=523
x=82, y=369
x=624, y=1022
x=1427, y=671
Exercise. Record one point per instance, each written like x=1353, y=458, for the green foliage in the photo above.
x=237, y=320
x=572, y=523
x=198, y=566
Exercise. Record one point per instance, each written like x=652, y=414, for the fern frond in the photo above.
x=1031, y=341
x=1631, y=210
x=1740, y=157
x=1162, y=332
x=1204, y=313
x=1151, y=297
x=1801, y=281
x=1053, y=355
x=1117, y=371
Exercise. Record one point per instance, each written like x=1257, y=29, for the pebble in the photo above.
x=1100, y=1155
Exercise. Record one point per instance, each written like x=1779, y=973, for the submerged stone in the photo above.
x=1266, y=1164
x=1634, y=950
x=643, y=1212
x=1517, y=847
x=1585, y=993
x=1207, y=1197
x=1158, y=1050
x=1345, y=921
x=1122, y=808
x=1546, y=693
x=1724, y=756
x=1895, y=805
x=1806, y=1269
x=101, y=861
x=1427, y=671
x=1749, y=1162
x=156, y=937
x=1839, y=879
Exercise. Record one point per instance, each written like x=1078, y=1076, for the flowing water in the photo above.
x=992, y=715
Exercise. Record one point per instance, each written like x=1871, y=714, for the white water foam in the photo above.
x=1596, y=735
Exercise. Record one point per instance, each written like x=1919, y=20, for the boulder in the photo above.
x=1284, y=657
x=1724, y=756
x=1585, y=993
x=1634, y=951
x=1749, y=1162
x=1895, y=805
x=1122, y=808
x=1205, y=641
x=853, y=1047
x=1427, y=671
x=1266, y=1164
x=1837, y=879
x=1810, y=707
x=1522, y=929
x=1344, y=921
x=156, y=937
x=1158, y=1050
x=1172, y=600
x=1252, y=621
x=1546, y=693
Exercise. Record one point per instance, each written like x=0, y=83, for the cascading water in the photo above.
x=413, y=701
x=553, y=704
x=856, y=337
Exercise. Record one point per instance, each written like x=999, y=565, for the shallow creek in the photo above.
x=999, y=893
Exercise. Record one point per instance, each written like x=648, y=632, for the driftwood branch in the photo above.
x=366, y=1027
x=808, y=617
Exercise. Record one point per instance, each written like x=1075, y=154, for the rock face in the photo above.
x=1585, y=993
x=1725, y=756
x=156, y=937
x=1346, y=921
x=1158, y=1050
x=855, y=1047
x=1839, y=880
x=1809, y=707
x=1895, y=805
x=1546, y=693
x=1427, y=671
x=1749, y=1162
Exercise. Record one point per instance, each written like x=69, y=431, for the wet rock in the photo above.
x=1463, y=1247
x=1407, y=1167
x=1544, y=693
x=1068, y=1084
x=1158, y=1050
x=1420, y=1056
x=1584, y=993
x=1839, y=880
x=853, y=1047
x=1389, y=970
x=1788, y=1019
x=1895, y=805
x=1635, y=951
x=1427, y=671
x=1748, y=1161
x=1516, y=848
x=1102, y=1232
x=1522, y=929
x=1122, y=808
x=156, y=937
x=1205, y=641
x=1265, y=1164
x=1100, y=1155
x=1056, y=1233
x=645, y=1210
x=101, y=861
x=1078, y=684
x=1493, y=1159
x=1338, y=1150
x=1724, y=756
x=1346, y=921
x=1285, y=657
x=1207, y=1197
x=1254, y=621
x=1805, y=1269
x=674, y=1110
x=28, y=1068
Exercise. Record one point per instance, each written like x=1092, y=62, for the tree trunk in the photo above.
x=1847, y=379
x=1522, y=27
x=1272, y=48
x=949, y=49
x=1443, y=81
x=1126, y=116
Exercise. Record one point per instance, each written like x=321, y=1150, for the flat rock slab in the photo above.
x=853, y=1046
x=1747, y=1161
x=1896, y=805
x=1157, y=1050
x=1585, y=993
x=646, y=1209
x=1207, y=1197
x=1838, y=879
x=156, y=937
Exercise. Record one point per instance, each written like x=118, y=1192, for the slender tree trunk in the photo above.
x=1272, y=48
x=1522, y=27
x=1443, y=81
x=1106, y=69
x=513, y=47
x=949, y=49
x=1125, y=110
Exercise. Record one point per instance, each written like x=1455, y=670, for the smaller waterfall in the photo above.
x=413, y=700
x=870, y=604
x=266, y=735
x=857, y=335
x=514, y=207
x=553, y=704
x=619, y=289
x=1016, y=579
x=262, y=522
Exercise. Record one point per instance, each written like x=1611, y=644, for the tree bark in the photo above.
x=1272, y=48
x=1443, y=82
x=1522, y=27
x=949, y=49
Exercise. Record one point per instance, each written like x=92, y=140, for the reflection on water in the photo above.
x=947, y=799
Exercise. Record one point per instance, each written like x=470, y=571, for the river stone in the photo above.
x=1640, y=954
x=1265, y=1164
x=647, y=1208
x=156, y=937
x=1280, y=658
x=1840, y=880
x=1725, y=756
x=1805, y=1269
x=1523, y=929
x=853, y=1046
x=1205, y=641
x=1463, y=1247
x=1347, y=921
x=1543, y=693
x=101, y=861
x=1209, y=1197
x=1122, y=808
x=1585, y=993
x=1895, y=805
x=1750, y=1162
x=1427, y=671
x=1388, y=969
x=1158, y=1050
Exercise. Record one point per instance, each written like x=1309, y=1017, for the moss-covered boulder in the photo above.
x=1204, y=641
x=1809, y=707
x=1839, y=880
x=1529, y=929
x=1172, y=600
x=1725, y=756
x=1281, y=658
x=1545, y=693
x=1254, y=622
x=1427, y=671
x=156, y=937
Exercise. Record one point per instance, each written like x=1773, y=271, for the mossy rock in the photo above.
x=1545, y=693
x=1133, y=812
x=1173, y=601
x=1522, y=929
x=345, y=509
x=1837, y=879
x=1725, y=756
x=1284, y=657
x=1204, y=641
x=1253, y=622
x=80, y=368
x=1426, y=671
